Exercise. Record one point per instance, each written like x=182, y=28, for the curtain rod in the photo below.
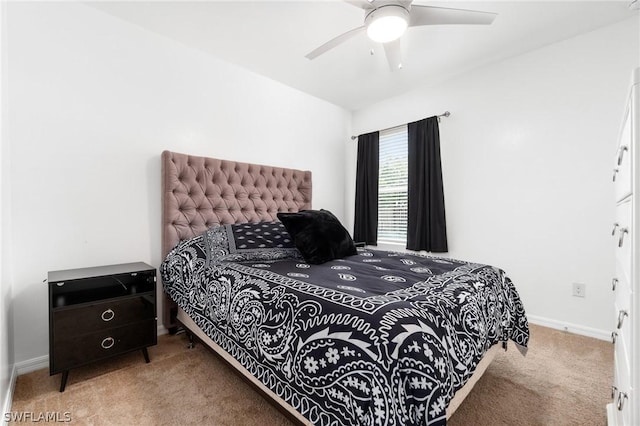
x=444, y=114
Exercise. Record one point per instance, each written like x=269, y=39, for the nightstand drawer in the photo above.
x=75, y=351
x=78, y=320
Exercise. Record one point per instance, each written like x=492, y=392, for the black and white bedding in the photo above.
x=377, y=338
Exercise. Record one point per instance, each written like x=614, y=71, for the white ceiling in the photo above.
x=272, y=37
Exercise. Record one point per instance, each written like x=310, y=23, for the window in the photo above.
x=392, y=186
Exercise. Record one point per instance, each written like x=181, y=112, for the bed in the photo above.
x=370, y=338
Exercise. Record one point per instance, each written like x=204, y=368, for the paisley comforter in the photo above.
x=378, y=338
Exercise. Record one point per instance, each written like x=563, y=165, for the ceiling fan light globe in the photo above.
x=387, y=23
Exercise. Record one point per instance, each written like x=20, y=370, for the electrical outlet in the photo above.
x=579, y=289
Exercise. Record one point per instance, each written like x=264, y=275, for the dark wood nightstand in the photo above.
x=97, y=313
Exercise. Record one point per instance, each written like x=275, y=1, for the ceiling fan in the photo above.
x=386, y=20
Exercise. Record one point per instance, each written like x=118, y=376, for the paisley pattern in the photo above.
x=349, y=342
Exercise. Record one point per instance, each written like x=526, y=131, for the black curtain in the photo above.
x=426, y=224
x=365, y=229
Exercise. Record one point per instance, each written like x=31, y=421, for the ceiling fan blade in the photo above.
x=429, y=15
x=393, y=52
x=362, y=4
x=334, y=42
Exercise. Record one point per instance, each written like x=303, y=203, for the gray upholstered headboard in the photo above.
x=199, y=192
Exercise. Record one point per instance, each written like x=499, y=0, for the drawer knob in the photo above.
x=621, y=152
x=615, y=226
x=623, y=231
x=108, y=342
x=614, y=284
x=614, y=337
x=615, y=172
x=622, y=397
x=108, y=315
x=621, y=315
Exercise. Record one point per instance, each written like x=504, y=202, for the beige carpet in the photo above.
x=564, y=380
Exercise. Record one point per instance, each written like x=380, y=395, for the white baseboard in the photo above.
x=33, y=364
x=571, y=328
x=6, y=406
x=612, y=420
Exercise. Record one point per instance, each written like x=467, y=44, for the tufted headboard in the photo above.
x=199, y=192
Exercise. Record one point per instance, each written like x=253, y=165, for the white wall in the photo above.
x=92, y=103
x=6, y=323
x=527, y=163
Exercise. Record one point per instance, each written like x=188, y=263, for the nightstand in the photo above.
x=96, y=313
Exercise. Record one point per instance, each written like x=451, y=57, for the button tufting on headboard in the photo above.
x=198, y=192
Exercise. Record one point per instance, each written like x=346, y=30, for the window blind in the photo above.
x=392, y=186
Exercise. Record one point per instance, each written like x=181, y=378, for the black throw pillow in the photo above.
x=318, y=235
